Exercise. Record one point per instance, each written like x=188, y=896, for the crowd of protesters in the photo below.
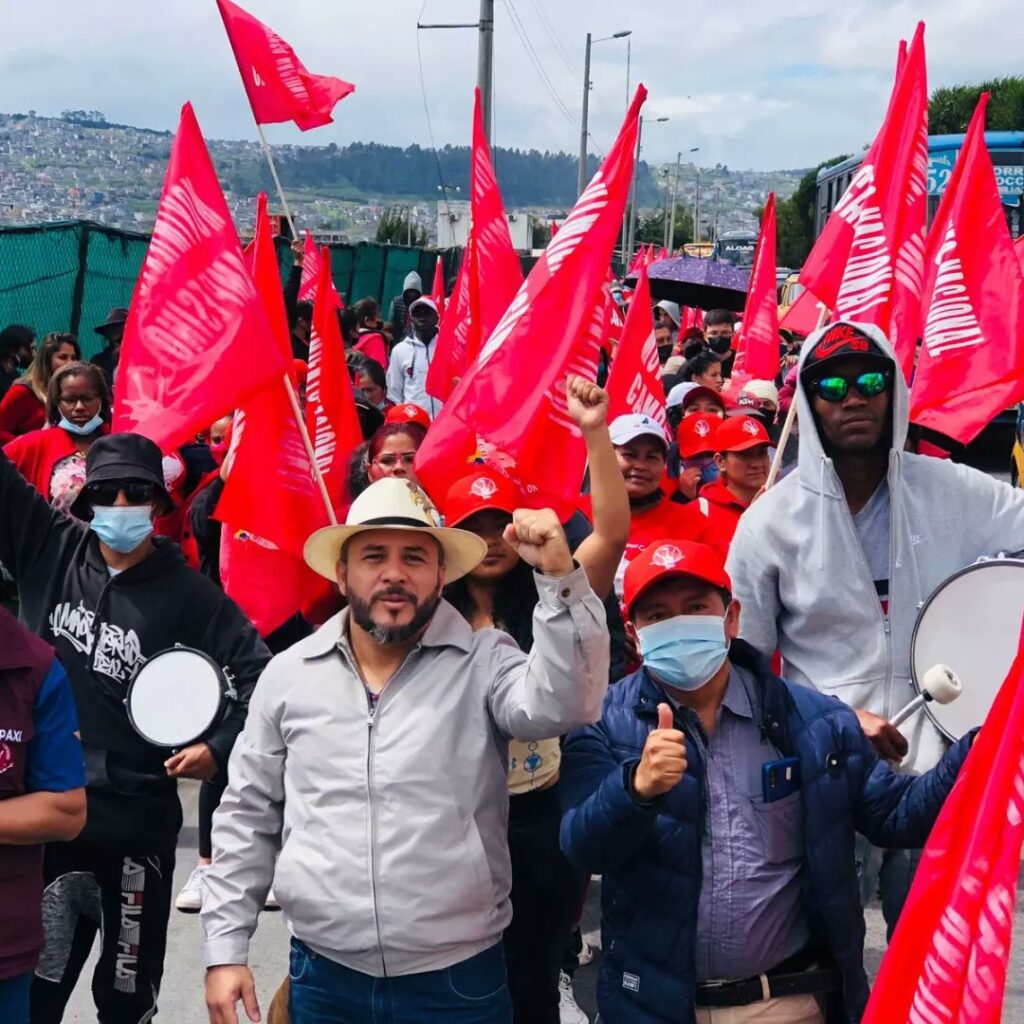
x=486, y=707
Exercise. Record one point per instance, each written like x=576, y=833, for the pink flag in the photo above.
x=758, y=353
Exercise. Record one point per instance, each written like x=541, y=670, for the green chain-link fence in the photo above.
x=66, y=276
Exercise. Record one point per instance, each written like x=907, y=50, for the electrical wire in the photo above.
x=555, y=41
x=426, y=111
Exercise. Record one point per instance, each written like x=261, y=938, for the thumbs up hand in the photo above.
x=663, y=762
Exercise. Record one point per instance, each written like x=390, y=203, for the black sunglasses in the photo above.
x=105, y=492
x=835, y=389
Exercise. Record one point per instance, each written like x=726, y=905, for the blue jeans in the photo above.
x=14, y=998
x=471, y=992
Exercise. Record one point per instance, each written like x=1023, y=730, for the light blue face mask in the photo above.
x=685, y=651
x=85, y=429
x=122, y=528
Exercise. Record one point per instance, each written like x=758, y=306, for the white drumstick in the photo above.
x=940, y=684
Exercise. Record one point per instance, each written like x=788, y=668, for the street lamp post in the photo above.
x=581, y=182
x=675, y=196
x=627, y=257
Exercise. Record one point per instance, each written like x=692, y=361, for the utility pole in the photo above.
x=664, y=216
x=675, y=194
x=628, y=256
x=581, y=182
x=485, y=63
x=696, y=208
x=714, y=231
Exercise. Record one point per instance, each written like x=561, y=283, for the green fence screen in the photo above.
x=67, y=275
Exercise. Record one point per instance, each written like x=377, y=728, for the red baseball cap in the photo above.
x=700, y=391
x=478, y=492
x=666, y=558
x=696, y=434
x=408, y=412
x=740, y=433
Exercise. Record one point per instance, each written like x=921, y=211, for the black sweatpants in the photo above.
x=125, y=895
x=545, y=896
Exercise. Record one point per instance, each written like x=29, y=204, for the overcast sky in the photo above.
x=753, y=83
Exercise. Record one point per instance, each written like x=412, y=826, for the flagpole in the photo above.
x=277, y=182
x=293, y=400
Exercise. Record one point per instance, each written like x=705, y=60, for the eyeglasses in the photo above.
x=835, y=389
x=71, y=401
x=136, y=492
x=390, y=461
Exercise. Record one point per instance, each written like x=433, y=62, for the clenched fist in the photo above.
x=663, y=762
x=537, y=537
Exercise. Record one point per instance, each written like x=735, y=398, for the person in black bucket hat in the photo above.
x=109, y=595
x=112, y=332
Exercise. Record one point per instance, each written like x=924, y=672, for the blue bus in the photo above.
x=1006, y=149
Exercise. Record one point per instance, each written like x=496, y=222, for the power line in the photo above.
x=426, y=110
x=556, y=42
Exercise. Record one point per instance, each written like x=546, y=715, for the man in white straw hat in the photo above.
x=375, y=757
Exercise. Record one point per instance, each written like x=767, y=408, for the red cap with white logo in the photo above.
x=696, y=434
x=408, y=412
x=480, y=491
x=666, y=558
x=740, y=433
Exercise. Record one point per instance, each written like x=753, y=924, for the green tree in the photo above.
x=950, y=108
x=795, y=217
x=650, y=227
x=394, y=229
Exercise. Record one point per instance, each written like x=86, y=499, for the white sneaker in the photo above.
x=586, y=953
x=190, y=899
x=270, y=903
x=568, y=1011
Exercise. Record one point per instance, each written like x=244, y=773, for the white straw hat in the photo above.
x=395, y=504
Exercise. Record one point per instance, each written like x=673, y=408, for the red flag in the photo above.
x=449, y=362
x=510, y=406
x=197, y=343
x=437, y=292
x=1018, y=248
x=948, y=959
x=277, y=83
x=311, y=274
x=662, y=254
x=493, y=276
x=758, y=353
x=804, y=315
x=633, y=382
x=971, y=365
x=867, y=264
x=691, y=316
x=331, y=417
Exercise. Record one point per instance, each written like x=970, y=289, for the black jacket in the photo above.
x=104, y=628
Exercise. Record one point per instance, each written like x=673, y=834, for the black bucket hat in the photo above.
x=122, y=457
x=117, y=317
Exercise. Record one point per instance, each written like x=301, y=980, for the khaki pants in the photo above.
x=787, y=1010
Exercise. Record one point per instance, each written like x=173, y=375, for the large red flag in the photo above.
x=804, y=316
x=510, y=407
x=633, y=382
x=948, y=959
x=971, y=365
x=758, y=353
x=277, y=83
x=197, y=343
x=437, y=291
x=867, y=264
x=331, y=416
x=1018, y=248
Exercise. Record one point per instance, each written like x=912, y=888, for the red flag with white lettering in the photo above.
x=311, y=274
x=868, y=262
x=948, y=958
x=971, y=365
x=758, y=353
x=633, y=382
x=437, y=292
x=510, y=408
x=277, y=83
x=331, y=417
x=197, y=343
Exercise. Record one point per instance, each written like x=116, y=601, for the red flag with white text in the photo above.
x=633, y=382
x=868, y=262
x=277, y=83
x=197, y=343
x=758, y=353
x=311, y=274
x=331, y=417
x=948, y=959
x=510, y=408
x=971, y=364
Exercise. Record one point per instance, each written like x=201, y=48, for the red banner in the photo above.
x=758, y=353
x=197, y=344
x=437, y=291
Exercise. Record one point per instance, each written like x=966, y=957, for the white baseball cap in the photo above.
x=624, y=429
x=679, y=392
x=423, y=300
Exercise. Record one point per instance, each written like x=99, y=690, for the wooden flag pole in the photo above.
x=301, y=424
x=277, y=182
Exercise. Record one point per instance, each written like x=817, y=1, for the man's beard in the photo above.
x=385, y=634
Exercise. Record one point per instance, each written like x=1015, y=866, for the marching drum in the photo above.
x=972, y=623
x=178, y=697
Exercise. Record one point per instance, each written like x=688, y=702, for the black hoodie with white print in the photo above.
x=105, y=627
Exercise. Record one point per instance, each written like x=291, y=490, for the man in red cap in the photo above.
x=741, y=446
x=720, y=804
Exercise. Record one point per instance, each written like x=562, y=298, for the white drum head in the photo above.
x=972, y=624
x=175, y=698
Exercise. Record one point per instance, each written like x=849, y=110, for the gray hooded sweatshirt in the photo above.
x=802, y=578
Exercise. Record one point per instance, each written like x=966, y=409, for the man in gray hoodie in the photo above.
x=832, y=564
x=398, y=314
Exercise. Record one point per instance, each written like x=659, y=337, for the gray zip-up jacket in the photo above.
x=392, y=826
x=799, y=571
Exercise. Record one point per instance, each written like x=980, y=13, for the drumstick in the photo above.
x=940, y=684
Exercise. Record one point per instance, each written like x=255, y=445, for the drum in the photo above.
x=178, y=697
x=972, y=623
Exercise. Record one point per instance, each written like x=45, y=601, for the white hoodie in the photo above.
x=801, y=576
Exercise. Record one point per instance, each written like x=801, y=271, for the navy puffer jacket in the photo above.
x=650, y=856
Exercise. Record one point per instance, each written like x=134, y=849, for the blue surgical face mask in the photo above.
x=85, y=429
x=708, y=469
x=122, y=528
x=685, y=651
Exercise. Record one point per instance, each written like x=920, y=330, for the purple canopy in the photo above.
x=705, y=284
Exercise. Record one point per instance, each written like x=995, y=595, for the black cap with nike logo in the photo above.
x=842, y=340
